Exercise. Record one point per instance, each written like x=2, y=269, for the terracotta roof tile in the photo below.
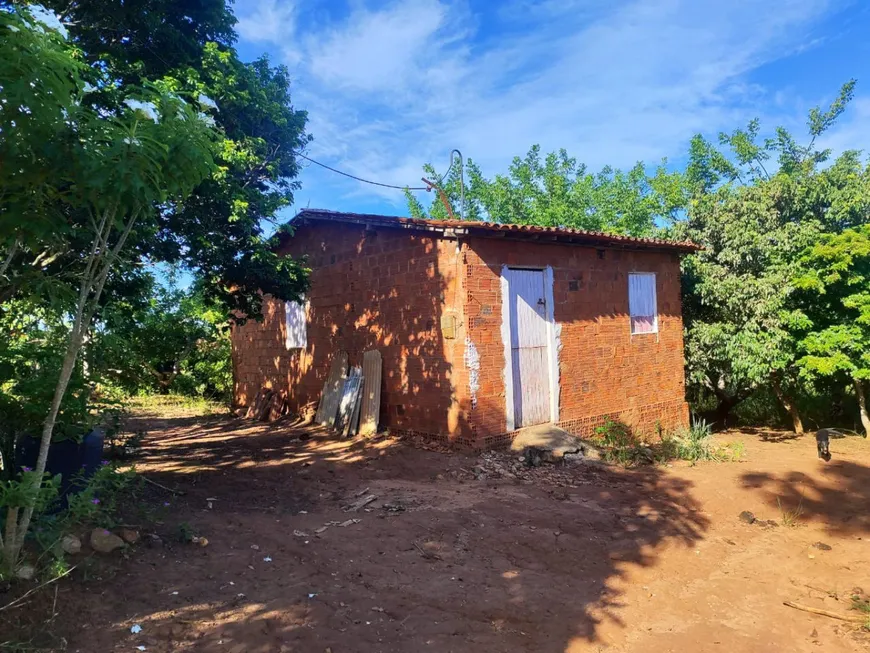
x=471, y=227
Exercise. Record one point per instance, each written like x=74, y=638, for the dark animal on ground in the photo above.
x=823, y=441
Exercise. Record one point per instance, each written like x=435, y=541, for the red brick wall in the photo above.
x=380, y=289
x=604, y=371
x=389, y=289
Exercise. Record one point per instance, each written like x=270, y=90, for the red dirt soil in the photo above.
x=571, y=559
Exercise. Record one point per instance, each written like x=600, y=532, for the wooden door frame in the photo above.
x=552, y=343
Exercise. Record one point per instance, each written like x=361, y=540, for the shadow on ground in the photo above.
x=770, y=434
x=839, y=498
x=439, y=562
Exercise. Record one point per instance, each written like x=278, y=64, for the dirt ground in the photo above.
x=471, y=553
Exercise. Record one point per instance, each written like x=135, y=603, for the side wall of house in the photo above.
x=605, y=372
x=384, y=289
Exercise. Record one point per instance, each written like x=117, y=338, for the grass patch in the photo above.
x=694, y=443
x=732, y=451
x=862, y=604
x=178, y=404
x=790, y=517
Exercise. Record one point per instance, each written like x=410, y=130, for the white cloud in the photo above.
x=381, y=51
x=272, y=21
x=391, y=88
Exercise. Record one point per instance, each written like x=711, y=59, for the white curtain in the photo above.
x=294, y=314
x=642, y=302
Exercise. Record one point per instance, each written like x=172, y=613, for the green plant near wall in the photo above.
x=695, y=442
x=619, y=445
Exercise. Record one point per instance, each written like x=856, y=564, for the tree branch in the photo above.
x=89, y=277
x=13, y=250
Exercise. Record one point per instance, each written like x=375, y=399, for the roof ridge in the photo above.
x=512, y=228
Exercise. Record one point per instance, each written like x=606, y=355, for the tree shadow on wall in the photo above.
x=463, y=564
x=370, y=289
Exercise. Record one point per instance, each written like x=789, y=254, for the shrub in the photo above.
x=694, y=443
x=99, y=503
x=620, y=446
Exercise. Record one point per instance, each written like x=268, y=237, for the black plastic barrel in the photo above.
x=74, y=461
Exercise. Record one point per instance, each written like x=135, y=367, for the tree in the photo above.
x=835, y=294
x=219, y=232
x=737, y=310
x=172, y=341
x=559, y=192
x=109, y=172
x=146, y=39
x=755, y=207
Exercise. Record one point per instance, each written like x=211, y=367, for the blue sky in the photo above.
x=392, y=85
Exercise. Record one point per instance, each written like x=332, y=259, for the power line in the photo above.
x=365, y=181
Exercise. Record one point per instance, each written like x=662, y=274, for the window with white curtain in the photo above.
x=297, y=328
x=642, y=302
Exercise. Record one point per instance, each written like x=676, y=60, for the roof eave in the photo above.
x=452, y=229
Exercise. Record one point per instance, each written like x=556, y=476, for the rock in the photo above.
x=103, y=541
x=25, y=572
x=153, y=540
x=129, y=535
x=821, y=546
x=747, y=517
x=70, y=544
x=648, y=454
x=547, y=437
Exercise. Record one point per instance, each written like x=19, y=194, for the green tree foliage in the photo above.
x=31, y=356
x=755, y=207
x=133, y=135
x=559, y=192
x=219, y=232
x=834, y=289
x=147, y=39
x=109, y=172
x=739, y=323
x=170, y=342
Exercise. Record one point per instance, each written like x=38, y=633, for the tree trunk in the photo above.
x=164, y=382
x=90, y=290
x=726, y=403
x=788, y=404
x=15, y=530
x=722, y=412
x=862, y=405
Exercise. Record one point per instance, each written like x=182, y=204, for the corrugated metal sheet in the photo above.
x=349, y=400
x=371, y=401
x=530, y=371
x=328, y=408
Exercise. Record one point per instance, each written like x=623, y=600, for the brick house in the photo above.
x=484, y=328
